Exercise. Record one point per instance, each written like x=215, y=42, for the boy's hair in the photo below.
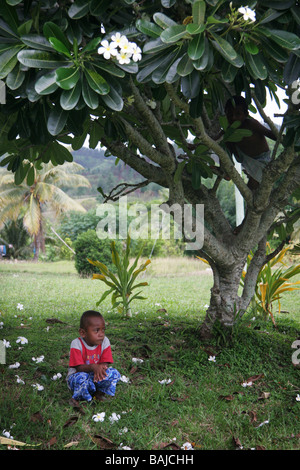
x=236, y=101
x=84, y=320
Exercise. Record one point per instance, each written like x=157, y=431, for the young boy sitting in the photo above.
x=252, y=152
x=89, y=372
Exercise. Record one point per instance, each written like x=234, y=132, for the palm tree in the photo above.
x=31, y=201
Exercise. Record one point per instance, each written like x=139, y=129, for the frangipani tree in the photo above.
x=69, y=75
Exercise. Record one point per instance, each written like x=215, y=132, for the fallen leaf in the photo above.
x=254, y=378
x=236, y=441
x=7, y=441
x=70, y=421
x=102, y=442
x=71, y=444
x=264, y=395
x=52, y=441
x=164, y=445
x=226, y=397
x=36, y=417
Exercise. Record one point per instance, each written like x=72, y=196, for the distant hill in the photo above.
x=107, y=172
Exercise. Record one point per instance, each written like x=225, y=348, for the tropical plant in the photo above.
x=67, y=83
x=271, y=284
x=15, y=237
x=40, y=191
x=89, y=246
x=123, y=284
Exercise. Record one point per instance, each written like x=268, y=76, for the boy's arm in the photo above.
x=99, y=370
x=258, y=127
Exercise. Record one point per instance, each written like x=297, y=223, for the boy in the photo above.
x=89, y=373
x=252, y=152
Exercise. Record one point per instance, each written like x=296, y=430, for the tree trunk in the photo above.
x=226, y=305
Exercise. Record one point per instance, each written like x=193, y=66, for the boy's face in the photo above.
x=235, y=114
x=94, y=333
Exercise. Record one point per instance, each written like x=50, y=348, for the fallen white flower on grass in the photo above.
x=7, y=434
x=212, y=358
x=136, y=360
x=124, y=379
x=123, y=431
x=38, y=387
x=121, y=447
x=38, y=359
x=114, y=417
x=1, y=325
x=261, y=424
x=19, y=380
x=6, y=343
x=57, y=376
x=20, y=306
x=187, y=446
x=99, y=417
x=14, y=366
x=22, y=340
x=247, y=13
x=298, y=397
x=246, y=384
x=165, y=381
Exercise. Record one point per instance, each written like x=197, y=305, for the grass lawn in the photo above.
x=204, y=403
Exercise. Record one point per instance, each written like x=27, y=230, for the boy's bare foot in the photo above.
x=100, y=396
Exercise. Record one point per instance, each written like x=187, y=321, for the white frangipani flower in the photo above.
x=38, y=387
x=118, y=39
x=14, y=366
x=1, y=325
x=136, y=53
x=6, y=343
x=124, y=379
x=298, y=397
x=123, y=58
x=247, y=13
x=136, y=360
x=22, y=340
x=38, y=359
x=7, y=434
x=187, y=446
x=165, y=381
x=107, y=49
x=212, y=358
x=114, y=417
x=99, y=417
x=19, y=380
x=246, y=384
x=20, y=306
x=57, y=376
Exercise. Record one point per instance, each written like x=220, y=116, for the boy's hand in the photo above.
x=99, y=372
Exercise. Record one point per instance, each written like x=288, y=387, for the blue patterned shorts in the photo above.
x=83, y=386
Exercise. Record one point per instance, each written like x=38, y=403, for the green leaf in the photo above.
x=15, y=78
x=46, y=84
x=57, y=120
x=193, y=28
x=113, y=100
x=185, y=66
x=96, y=82
x=227, y=50
x=256, y=66
x=34, y=41
x=90, y=96
x=67, y=78
x=92, y=45
x=163, y=20
x=179, y=171
x=8, y=61
x=30, y=176
x=173, y=34
x=7, y=31
x=160, y=73
x=79, y=9
x=285, y=39
x=190, y=84
x=40, y=59
x=110, y=68
x=53, y=30
x=198, y=9
x=148, y=28
x=196, y=47
x=70, y=98
x=59, y=46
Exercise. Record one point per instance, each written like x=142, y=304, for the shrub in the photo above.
x=88, y=245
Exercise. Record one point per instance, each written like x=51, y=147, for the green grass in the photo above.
x=205, y=403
